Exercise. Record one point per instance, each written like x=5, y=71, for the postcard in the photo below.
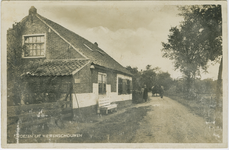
x=114, y=74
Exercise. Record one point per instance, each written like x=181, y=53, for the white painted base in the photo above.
x=114, y=97
x=89, y=99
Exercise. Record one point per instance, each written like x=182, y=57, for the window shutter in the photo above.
x=120, y=86
x=124, y=82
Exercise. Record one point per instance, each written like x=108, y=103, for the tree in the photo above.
x=14, y=64
x=209, y=18
x=164, y=79
x=148, y=76
x=184, y=49
x=208, y=21
x=197, y=40
x=148, y=67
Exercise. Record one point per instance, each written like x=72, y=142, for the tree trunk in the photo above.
x=188, y=86
x=220, y=72
x=219, y=97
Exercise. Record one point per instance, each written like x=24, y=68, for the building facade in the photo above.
x=59, y=61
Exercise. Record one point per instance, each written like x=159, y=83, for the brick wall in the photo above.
x=56, y=47
x=112, y=80
x=84, y=79
x=94, y=75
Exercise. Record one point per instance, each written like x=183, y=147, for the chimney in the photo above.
x=32, y=10
x=96, y=44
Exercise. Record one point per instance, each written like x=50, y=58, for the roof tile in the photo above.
x=56, y=67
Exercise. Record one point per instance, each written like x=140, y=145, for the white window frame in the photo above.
x=103, y=74
x=29, y=35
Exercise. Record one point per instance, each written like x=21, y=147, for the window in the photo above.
x=120, y=87
x=128, y=87
x=34, y=46
x=124, y=86
x=102, y=80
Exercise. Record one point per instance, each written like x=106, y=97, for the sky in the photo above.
x=131, y=33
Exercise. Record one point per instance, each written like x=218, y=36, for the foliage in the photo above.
x=14, y=65
x=206, y=86
x=197, y=40
x=164, y=79
x=150, y=77
x=136, y=77
x=207, y=19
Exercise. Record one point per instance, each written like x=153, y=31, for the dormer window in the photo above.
x=34, y=46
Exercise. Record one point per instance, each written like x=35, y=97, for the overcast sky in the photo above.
x=130, y=33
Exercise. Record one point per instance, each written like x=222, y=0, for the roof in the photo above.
x=85, y=47
x=56, y=67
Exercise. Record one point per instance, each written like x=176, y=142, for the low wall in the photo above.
x=91, y=111
x=114, y=97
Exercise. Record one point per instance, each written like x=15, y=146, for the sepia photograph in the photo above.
x=119, y=74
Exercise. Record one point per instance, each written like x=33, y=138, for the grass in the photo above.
x=119, y=127
x=204, y=105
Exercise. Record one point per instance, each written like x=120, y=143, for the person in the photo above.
x=161, y=91
x=145, y=93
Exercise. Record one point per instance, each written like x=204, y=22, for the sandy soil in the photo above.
x=171, y=122
x=156, y=121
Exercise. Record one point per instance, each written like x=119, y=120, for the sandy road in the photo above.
x=171, y=122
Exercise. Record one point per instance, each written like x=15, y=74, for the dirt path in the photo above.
x=171, y=122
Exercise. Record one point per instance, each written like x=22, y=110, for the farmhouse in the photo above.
x=61, y=65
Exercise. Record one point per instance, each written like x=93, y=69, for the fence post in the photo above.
x=17, y=132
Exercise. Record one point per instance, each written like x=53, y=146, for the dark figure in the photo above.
x=155, y=90
x=145, y=93
x=158, y=90
x=161, y=91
